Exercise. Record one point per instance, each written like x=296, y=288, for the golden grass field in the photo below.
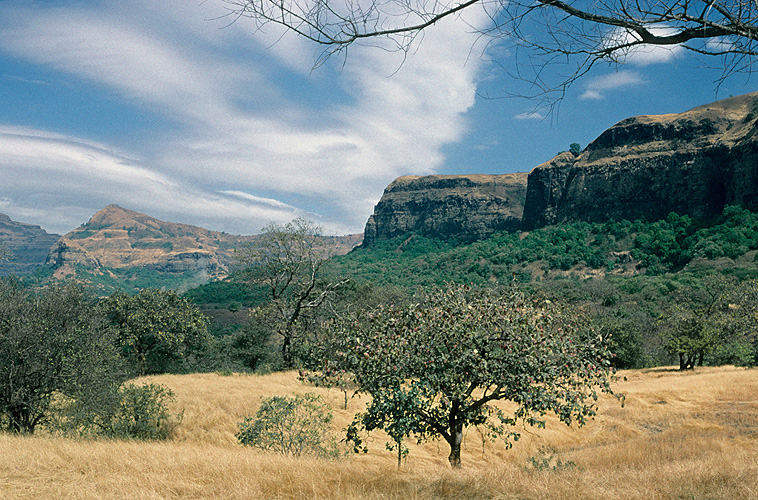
x=680, y=436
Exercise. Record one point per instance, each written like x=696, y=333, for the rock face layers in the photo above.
x=464, y=207
x=648, y=166
x=117, y=238
x=27, y=243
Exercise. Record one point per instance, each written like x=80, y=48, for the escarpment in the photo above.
x=646, y=167
x=463, y=207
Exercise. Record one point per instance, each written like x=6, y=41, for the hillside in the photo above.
x=458, y=207
x=29, y=245
x=692, y=163
x=679, y=435
x=118, y=248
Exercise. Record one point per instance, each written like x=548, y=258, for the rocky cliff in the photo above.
x=27, y=243
x=648, y=166
x=464, y=207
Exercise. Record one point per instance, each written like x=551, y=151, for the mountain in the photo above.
x=117, y=238
x=28, y=244
x=118, y=245
x=646, y=167
x=463, y=207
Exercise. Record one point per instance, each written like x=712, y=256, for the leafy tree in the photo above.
x=156, y=327
x=288, y=261
x=53, y=344
x=575, y=35
x=701, y=321
x=433, y=367
x=575, y=148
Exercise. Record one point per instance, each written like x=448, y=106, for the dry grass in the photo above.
x=679, y=436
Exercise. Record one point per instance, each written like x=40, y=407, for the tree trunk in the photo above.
x=682, y=363
x=456, y=436
x=455, y=451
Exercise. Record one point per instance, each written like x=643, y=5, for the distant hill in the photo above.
x=29, y=245
x=122, y=248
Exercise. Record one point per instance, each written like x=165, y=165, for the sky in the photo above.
x=171, y=109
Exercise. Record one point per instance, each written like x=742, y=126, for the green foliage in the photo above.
x=715, y=316
x=53, y=344
x=225, y=292
x=287, y=262
x=659, y=247
x=291, y=425
x=545, y=461
x=575, y=149
x=156, y=329
x=432, y=367
x=143, y=413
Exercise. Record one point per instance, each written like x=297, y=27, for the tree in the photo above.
x=433, y=368
x=156, y=327
x=577, y=34
x=53, y=344
x=711, y=318
x=288, y=261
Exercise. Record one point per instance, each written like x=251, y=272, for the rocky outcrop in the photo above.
x=645, y=167
x=463, y=207
x=28, y=245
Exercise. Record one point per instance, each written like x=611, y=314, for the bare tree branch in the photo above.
x=570, y=35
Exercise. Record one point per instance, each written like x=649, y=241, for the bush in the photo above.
x=294, y=426
x=143, y=413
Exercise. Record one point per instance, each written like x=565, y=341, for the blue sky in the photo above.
x=166, y=108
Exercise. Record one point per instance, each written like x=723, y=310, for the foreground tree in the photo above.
x=288, y=261
x=576, y=34
x=433, y=368
x=155, y=328
x=53, y=344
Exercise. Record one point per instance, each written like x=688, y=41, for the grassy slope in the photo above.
x=680, y=435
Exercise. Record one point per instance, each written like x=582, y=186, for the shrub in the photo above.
x=142, y=413
x=294, y=426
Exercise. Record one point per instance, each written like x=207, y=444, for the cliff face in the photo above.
x=27, y=243
x=648, y=166
x=465, y=207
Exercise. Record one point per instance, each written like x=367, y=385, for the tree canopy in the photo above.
x=433, y=368
x=53, y=344
x=155, y=327
x=287, y=260
x=573, y=33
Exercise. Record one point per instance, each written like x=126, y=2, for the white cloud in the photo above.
x=532, y=115
x=244, y=119
x=597, y=86
x=75, y=178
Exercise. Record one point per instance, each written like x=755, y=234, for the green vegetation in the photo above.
x=60, y=369
x=156, y=330
x=291, y=425
x=432, y=367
